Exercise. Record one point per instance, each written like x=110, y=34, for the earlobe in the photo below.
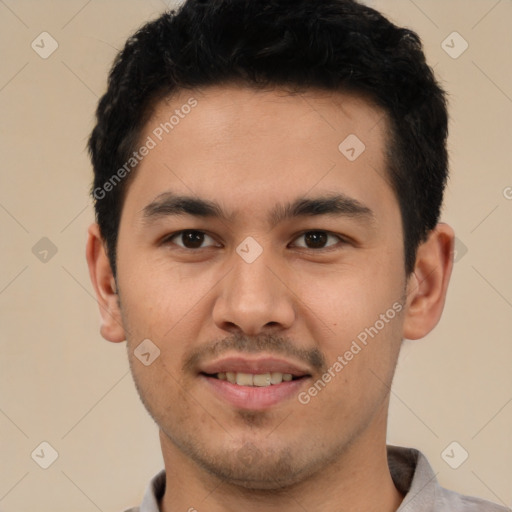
x=427, y=286
x=104, y=285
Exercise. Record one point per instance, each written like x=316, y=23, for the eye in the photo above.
x=191, y=239
x=317, y=240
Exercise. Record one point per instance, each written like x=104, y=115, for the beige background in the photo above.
x=60, y=382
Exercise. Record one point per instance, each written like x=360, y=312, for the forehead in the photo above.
x=249, y=147
x=231, y=113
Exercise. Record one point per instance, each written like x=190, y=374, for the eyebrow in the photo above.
x=170, y=204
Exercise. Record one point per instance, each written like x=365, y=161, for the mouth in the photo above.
x=254, y=384
x=261, y=380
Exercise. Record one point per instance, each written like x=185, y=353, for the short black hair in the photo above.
x=333, y=45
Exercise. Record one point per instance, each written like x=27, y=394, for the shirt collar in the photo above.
x=413, y=477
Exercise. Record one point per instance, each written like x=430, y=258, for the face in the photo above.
x=254, y=249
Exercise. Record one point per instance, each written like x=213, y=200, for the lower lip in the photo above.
x=252, y=397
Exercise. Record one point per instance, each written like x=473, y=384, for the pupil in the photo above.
x=193, y=239
x=316, y=239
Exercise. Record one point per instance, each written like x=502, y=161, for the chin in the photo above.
x=250, y=468
x=261, y=478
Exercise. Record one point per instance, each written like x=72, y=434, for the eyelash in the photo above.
x=342, y=240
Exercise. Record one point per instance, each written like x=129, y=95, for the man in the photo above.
x=268, y=182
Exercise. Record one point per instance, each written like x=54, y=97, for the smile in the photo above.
x=259, y=380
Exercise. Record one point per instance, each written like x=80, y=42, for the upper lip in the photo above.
x=256, y=366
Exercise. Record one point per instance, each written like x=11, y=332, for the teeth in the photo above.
x=244, y=379
x=260, y=380
x=276, y=378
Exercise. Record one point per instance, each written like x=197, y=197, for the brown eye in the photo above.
x=191, y=239
x=317, y=239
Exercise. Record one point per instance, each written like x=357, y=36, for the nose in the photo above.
x=254, y=298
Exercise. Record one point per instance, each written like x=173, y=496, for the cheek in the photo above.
x=167, y=402
x=361, y=356
x=356, y=312
x=340, y=304
x=157, y=296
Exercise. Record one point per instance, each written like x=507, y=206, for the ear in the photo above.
x=104, y=285
x=428, y=284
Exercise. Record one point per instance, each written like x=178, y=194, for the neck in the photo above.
x=358, y=480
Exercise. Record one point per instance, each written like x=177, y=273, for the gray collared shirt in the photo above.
x=411, y=474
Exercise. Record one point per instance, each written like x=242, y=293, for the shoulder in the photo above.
x=154, y=492
x=414, y=478
x=449, y=500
